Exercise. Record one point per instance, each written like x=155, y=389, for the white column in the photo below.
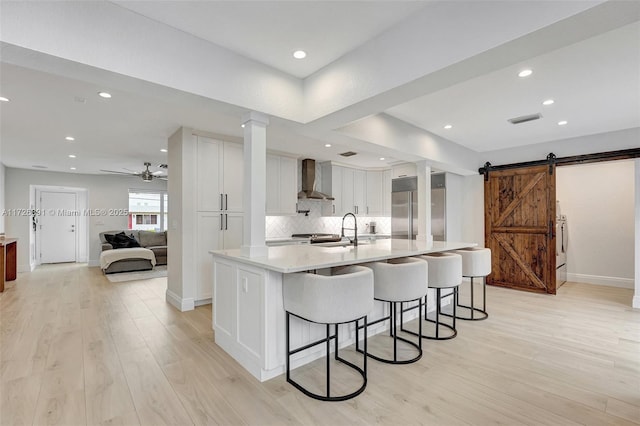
x=255, y=174
x=423, y=170
x=636, y=296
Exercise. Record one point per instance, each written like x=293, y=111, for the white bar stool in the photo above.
x=445, y=272
x=398, y=281
x=346, y=296
x=476, y=262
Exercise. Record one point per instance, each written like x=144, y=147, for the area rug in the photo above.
x=119, y=277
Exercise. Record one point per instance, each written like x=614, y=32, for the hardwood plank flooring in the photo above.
x=76, y=349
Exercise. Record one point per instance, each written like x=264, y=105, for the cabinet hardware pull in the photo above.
x=221, y=219
x=333, y=206
x=221, y=205
x=226, y=202
x=226, y=222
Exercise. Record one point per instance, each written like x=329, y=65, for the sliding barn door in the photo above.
x=519, y=214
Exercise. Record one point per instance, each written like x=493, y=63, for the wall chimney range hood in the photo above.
x=309, y=182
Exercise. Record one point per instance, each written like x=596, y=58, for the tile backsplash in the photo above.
x=284, y=226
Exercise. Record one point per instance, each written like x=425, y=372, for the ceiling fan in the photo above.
x=146, y=175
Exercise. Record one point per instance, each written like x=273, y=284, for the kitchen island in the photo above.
x=248, y=313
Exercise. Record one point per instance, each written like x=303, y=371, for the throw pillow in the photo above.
x=133, y=242
x=121, y=240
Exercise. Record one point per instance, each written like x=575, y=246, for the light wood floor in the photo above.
x=77, y=349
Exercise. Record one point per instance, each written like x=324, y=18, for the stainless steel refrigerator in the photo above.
x=404, y=208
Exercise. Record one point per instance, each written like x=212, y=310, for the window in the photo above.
x=148, y=210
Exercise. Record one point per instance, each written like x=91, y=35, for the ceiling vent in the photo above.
x=525, y=118
x=348, y=154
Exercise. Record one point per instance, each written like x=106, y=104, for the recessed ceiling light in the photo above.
x=3, y=99
x=163, y=150
x=448, y=126
x=242, y=125
x=299, y=54
x=105, y=95
x=70, y=138
x=381, y=158
x=327, y=145
x=562, y=123
x=72, y=168
x=548, y=102
x=72, y=156
x=525, y=73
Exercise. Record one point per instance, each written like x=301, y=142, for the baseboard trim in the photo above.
x=636, y=302
x=204, y=302
x=600, y=280
x=180, y=303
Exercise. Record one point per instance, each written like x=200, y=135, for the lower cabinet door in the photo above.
x=208, y=238
x=232, y=234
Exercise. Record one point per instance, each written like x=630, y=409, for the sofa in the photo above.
x=134, y=259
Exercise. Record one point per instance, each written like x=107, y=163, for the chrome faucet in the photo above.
x=354, y=229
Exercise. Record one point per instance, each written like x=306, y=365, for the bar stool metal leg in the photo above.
x=327, y=341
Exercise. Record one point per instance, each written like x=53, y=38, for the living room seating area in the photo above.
x=132, y=250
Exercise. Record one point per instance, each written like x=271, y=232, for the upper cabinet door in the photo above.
x=209, y=174
x=359, y=191
x=233, y=177
x=386, y=193
x=374, y=193
x=348, y=200
x=282, y=185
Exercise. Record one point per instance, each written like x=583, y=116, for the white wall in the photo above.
x=1, y=198
x=105, y=192
x=598, y=200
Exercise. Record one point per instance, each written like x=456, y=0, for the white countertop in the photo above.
x=297, y=258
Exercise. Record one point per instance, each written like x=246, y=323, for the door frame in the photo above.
x=82, y=222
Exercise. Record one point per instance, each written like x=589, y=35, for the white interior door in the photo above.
x=58, y=227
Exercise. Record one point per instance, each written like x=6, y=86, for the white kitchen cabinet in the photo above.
x=232, y=231
x=365, y=193
x=208, y=238
x=233, y=177
x=282, y=188
x=332, y=185
x=220, y=175
x=386, y=193
x=378, y=193
x=353, y=191
x=374, y=193
x=219, y=182
x=216, y=231
x=359, y=191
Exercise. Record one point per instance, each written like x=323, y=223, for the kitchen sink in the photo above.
x=341, y=243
